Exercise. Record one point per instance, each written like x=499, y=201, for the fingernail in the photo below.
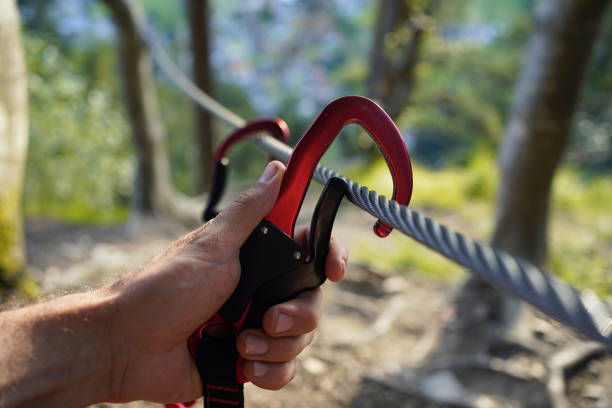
x=283, y=323
x=254, y=345
x=259, y=369
x=269, y=172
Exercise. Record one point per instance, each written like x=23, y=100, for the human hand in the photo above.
x=156, y=308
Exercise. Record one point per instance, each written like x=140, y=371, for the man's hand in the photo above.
x=158, y=307
x=128, y=341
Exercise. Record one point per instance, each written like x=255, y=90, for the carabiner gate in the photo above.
x=276, y=127
x=316, y=140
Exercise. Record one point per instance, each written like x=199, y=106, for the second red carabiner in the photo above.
x=276, y=127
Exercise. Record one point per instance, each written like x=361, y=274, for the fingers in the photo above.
x=255, y=344
x=236, y=222
x=337, y=260
x=271, y=376
x=287, y=329
x=295, y=317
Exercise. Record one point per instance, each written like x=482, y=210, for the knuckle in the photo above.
x=247, y=197
x=206, y=246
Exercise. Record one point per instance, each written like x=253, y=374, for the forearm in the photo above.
x=56, y=353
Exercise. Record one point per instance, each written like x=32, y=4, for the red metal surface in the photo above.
x=276, y=127
x=316, y=140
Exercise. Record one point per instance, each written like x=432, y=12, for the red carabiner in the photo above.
x=276, y=127
x=273, y=126
x=316, y=140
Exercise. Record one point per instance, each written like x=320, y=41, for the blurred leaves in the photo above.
x=464, y=85
x=288, y=59
x=80, y=160
x=592, y=143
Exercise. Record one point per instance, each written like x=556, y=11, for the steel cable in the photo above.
x=583, y=311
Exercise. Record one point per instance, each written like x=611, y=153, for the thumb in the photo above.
x=236, y=222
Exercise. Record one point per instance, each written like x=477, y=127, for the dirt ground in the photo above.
x=376, y=328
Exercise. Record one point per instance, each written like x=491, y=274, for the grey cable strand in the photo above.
x=583, y=311
x=185, y=84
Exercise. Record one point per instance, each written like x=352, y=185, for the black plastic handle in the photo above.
x=274, y=269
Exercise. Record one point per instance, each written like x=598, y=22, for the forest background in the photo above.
x=505, y=107
x=289, y=59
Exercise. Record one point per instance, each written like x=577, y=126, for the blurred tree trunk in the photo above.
x=13, y=146
x=198, y=14
x=396, y=48
x=538, y=132
x=541, y=121
x=153, y=193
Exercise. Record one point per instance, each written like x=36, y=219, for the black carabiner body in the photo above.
x=274, y=269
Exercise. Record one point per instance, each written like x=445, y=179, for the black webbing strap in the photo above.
x=217, y=370
x=218, y=396
x=271, y=273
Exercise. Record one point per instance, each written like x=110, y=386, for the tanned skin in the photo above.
x=127, y=341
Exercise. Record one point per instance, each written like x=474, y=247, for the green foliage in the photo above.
x=445, y=189
x=79, y=165
x=580, y=253
x=463, y=119
x=591, y=145
x=177, y=115
x=166, y=15
x=464, y=81
x=11, y=239
x=400, y=254
x=291, y=58
x=12, y=256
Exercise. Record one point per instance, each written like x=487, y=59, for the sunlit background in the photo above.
x=289, y=59
x=118, y=165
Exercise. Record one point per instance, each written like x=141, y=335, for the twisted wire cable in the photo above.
x=583, y=311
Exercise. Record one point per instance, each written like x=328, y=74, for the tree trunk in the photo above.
x=198, y=13
x=153, y=193
x=396, y=48
x=541, y=122
x=13, y=146
x=540, y=125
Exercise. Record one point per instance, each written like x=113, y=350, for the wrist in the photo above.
x=106, y=374
x=81, y=323
x=60, y=353
x=106, y=301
